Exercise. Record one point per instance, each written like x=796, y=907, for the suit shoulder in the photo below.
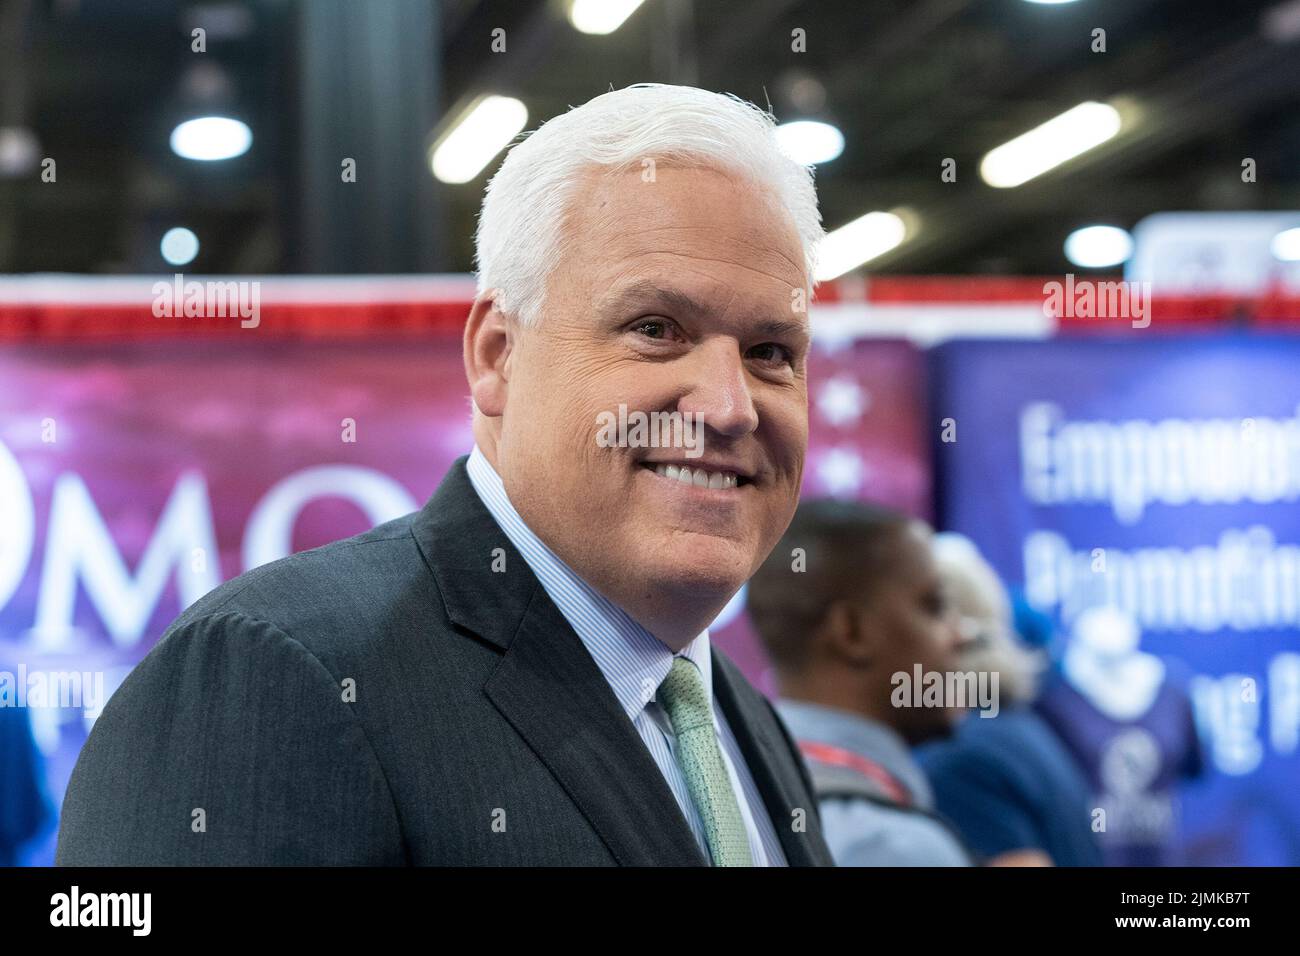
x=230, y=715
x=344, y=587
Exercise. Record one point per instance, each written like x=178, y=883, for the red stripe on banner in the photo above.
x=318, y=320
x=937, y=290
x=88, y=308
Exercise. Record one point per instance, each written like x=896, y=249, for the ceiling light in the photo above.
x=483, y=130
x=809, y=142
x=1096, y=247
x=1045, y=147
x=179, y=246
x=601, y=16
x=20, y=153
x=210, y=138
x=1286, y=245
x=862, y=240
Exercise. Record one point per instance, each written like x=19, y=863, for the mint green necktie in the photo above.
x=684, y=697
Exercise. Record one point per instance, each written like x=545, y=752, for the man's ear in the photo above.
x=848, y=634
x=489, y=339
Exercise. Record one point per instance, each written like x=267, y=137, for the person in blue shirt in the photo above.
x=846, y=603
x=24, y=806
x=1007, y=781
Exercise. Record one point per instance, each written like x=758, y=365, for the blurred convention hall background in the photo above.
x=1059, y=315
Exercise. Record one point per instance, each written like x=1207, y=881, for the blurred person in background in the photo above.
x=1006, y=781
x=1127, y=718
x=25, y=809
x=850, y=598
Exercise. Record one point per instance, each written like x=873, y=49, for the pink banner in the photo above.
x=137, y=475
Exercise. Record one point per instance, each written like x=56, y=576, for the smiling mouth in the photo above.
x=698, y=477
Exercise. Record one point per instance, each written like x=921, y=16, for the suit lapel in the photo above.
x=555, y=696
x=765, y=751
x=547, y=685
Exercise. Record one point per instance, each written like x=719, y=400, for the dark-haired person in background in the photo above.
x=849, y=598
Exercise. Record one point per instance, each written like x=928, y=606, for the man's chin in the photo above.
x=699, y=567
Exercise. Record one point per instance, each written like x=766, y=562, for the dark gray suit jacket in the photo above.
x=389, y=699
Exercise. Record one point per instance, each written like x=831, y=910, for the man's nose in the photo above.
x=719, y=392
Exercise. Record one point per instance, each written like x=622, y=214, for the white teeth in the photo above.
x=698, y=477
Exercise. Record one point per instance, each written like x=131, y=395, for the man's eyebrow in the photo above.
x=648, y=295
x=783, y=329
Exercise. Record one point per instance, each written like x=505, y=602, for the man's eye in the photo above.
x=653, y=328
x=771, y=352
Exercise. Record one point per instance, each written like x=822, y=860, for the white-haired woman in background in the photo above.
x=1006, y=782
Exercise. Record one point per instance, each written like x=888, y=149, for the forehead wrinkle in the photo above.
x=746, y=239
x=783, y=280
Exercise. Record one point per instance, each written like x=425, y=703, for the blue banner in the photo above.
x=1158, y=476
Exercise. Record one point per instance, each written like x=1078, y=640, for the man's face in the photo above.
x=672, y=296
x=918, y=625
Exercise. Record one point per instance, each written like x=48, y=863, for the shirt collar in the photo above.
x=633, y=661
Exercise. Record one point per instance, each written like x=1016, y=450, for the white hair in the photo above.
x=520, y=229
x=980, y=597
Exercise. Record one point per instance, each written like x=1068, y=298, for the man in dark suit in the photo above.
x=520, y=673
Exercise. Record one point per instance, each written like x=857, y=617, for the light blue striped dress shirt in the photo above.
x=635, y=663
